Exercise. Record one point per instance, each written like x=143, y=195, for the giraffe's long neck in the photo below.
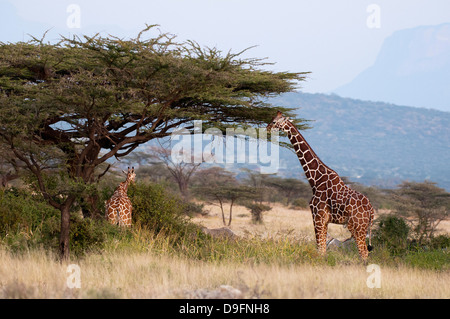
x=315, y=170
x=123, y=188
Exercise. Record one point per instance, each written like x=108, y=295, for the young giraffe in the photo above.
x=118, y=207
x=332, y=201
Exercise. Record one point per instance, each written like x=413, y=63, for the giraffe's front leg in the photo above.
x=320, y=228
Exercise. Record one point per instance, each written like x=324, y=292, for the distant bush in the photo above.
x=256, y=209
x=158, y=210
x=425, y=205
x=191, y=208
x=436, y=259
x=300, y=203
x=391, y=232
x=440, y=242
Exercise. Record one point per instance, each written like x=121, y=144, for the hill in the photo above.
x=372, y=143
x=412, y=68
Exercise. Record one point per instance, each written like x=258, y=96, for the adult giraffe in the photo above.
x=332, y=201
x=118, y=207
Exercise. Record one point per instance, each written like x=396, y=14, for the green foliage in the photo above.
x=21, y=212
x=156, y=209
x=392, y=235
x=161, y=226
x=437, y=259
x=256, y=209
x=191, y=208
x=425, y=204
x=391, y=232
x=88, y=235
x=27, y=222
x=69, y=106
x=440, y=242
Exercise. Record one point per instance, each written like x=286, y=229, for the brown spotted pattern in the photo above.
x=118, y=207
x=332, y=201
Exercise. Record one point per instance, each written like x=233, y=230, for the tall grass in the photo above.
x=276, y=250
x=175, y=259
x=162, y=272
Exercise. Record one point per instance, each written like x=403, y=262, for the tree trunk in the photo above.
x=223, y=213
x=65, y=229
x=231, y=212
x=183, y=186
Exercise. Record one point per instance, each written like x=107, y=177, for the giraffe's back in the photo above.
x=118, y=210
x=345, y=202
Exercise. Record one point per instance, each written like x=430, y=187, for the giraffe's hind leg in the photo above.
x=111, y=216
x=359, y=233
x=125, y=213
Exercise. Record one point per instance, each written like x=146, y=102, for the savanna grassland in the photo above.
x=70, y=110
x=276, y=259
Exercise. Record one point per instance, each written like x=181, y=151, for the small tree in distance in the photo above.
x=181, y=171
x=219, y=187
x=227, y=194
x=424, y=204
x=290, y=188
x=256, y=210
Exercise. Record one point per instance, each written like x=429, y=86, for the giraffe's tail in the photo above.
x=117, y=216
x=369, y=246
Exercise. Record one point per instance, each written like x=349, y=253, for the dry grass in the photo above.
x=279, y=221
x=145, y=275
x=151, y=274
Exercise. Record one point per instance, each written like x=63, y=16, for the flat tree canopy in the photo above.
x=68, y=107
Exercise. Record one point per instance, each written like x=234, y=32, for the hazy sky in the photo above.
x=330, y=38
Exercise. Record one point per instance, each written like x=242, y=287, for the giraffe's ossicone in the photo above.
x=332, y=201
x=118, y=208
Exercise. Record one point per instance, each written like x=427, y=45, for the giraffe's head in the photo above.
x=131, y=175
x=277, y=122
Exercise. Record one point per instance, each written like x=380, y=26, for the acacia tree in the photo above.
x=425, y=204
x=288, y=187
x=221, y=188
x=68, y=107
x=181, y=171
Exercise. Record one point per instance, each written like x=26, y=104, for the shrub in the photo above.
x=432, y=259
x=191, y=209
x=26, y=221
x=392, y=232
x=21, y=212
x=256, y=210
x=88, y=235
x=158, y=210
x=440, y=242
x=300, y=203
